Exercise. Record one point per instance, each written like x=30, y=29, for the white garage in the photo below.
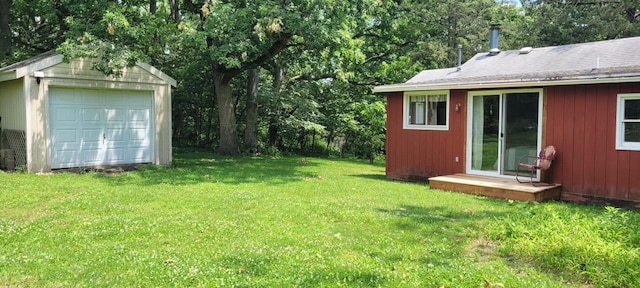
x=73, y=116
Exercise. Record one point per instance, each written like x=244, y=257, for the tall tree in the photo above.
x=555, y=22
x=315, y=58
x=5, y=29
x=241, y=36
x=251, y=111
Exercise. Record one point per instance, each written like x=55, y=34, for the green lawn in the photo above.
x=212, y=221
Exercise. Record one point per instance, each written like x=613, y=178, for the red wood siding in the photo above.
x=581, y=123
x=579, y=120
x=419, y=154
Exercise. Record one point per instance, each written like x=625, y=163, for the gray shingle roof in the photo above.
x=29, y=61
x=580, y=63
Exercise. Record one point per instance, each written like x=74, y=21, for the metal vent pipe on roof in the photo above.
x=494, y=32
x=459, y=57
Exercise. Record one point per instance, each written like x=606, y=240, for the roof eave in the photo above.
x=155, y=71
x=39, y=65
x=8, y=75
x=502, y=84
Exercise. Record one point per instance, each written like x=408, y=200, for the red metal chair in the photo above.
x=532, y=163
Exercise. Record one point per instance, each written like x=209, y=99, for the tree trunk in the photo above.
x=274, y=139
x=197, y=122
x=211, y=135
x=329, y=139
x=5, y=29
x=175, y=9
x=302, y=139
x=228, y=144
x=272, y=133
x=153, y=6
x=250, y=132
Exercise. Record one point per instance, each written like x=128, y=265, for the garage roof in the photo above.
x=51, y=58
x=586, y=63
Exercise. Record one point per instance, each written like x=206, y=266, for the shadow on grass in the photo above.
x=435, y=213
x=380, y=177
x=198, y=168
x=251, y=265
x=450, y=225
x=342, y=277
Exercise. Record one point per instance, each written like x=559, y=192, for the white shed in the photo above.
x=73, y=116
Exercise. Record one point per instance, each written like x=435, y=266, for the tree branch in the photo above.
x=361, y=83
x=277, y=46
x=366, y=34
x=306, y=77
x=376, y=57
x=33, y=46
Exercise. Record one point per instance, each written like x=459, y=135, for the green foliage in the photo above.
x=567, y=22
x=595, y=245
x=115, y=37
x=113, y=59
x=366, y=131
x=318, y=60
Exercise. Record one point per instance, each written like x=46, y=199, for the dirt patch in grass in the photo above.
x=483, y=249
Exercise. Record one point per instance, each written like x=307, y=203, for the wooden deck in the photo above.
x=496, y=187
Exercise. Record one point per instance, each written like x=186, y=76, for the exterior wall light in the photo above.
x=39, y=75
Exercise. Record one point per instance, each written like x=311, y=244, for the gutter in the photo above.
x=502, y=84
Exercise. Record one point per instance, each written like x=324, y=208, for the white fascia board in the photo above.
x=506, y=84
x=100, y=79
x=8, y=75
x=40, y=65
x=155, y=71
x=409, y=87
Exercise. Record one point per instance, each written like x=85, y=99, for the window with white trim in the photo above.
x=628, y=122
x=428, y=110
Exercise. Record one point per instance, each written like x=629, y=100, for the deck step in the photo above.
x=496, y=187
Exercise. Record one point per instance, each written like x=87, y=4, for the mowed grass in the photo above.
x=212, y=221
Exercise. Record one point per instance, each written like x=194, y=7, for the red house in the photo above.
x=481, y=117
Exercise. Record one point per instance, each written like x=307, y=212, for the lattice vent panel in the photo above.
x=17, y=141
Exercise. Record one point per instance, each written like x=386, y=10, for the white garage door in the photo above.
x=99, y=127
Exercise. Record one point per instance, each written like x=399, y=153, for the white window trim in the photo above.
x=405, y=113
x=620, y=143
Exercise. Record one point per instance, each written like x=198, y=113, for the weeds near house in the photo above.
x=213, y=221
x=594, y=245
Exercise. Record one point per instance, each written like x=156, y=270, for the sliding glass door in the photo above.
x=485, y=129
x=503, y=126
